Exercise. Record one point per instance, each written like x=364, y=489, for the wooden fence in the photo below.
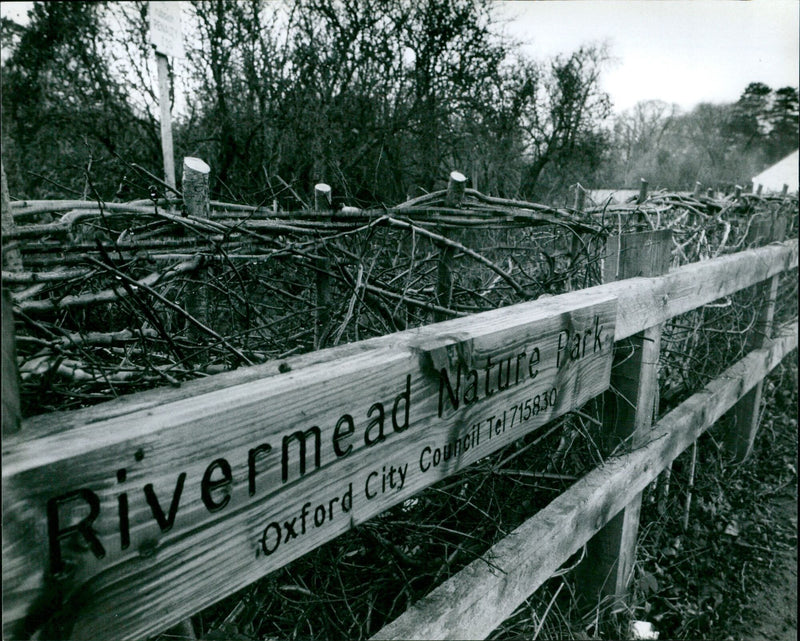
x=122, y=519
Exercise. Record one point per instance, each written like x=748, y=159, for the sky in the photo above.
x=679, y=51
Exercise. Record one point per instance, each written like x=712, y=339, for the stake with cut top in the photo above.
x=456, y=188
x=322, y=202
x=196, y=203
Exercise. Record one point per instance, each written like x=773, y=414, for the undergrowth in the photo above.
x=701, y=582
x=690, y=582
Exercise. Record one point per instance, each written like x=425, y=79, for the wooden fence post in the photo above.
x=577, y=240
x=456, y=187
x=196, y=203
x=642, y=192
x=580, y=197
x=11, y=406
x=322, y=202
x=608, y=567
x=322, y=197
x=745, y=414
x=697, y=188
x=641, y=217
x=12, y=258
x=12, y=261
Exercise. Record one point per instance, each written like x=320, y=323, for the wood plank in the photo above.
x=643, y=302
x=481, y=596
x=716, y=278
x=644, y=253
x=130, y=524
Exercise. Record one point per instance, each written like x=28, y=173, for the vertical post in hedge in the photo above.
x=575, y=247
x=737, y=194
x=12, y=258
x=759, y=190
x=785, y=190
x=641, y=217
x=607, y=569
x=456, y=188
x=580, y=197
x=710, y=192
x=323, y=198
x=10, y=401
x=745, y=414
x=697, y=188
x=195, y=187
x=12, y=261
x=196, y=203
x=642, y=192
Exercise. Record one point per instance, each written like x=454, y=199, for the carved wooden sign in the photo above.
x=135, y=522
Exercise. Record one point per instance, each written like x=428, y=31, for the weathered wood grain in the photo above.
x=56, y=450
x=217, y=493
x=481, y=596
x=645, y=302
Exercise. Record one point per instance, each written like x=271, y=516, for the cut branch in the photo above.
x=107, y=295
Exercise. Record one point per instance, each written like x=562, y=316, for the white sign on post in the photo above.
x=165, y=28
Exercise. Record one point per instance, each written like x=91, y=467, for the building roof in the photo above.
x=783, y=172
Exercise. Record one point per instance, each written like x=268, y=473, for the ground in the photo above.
x=776, y=607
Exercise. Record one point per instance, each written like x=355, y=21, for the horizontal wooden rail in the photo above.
x=131, y=515
x=643, y=302
x=481, y=596
x=132, y=523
